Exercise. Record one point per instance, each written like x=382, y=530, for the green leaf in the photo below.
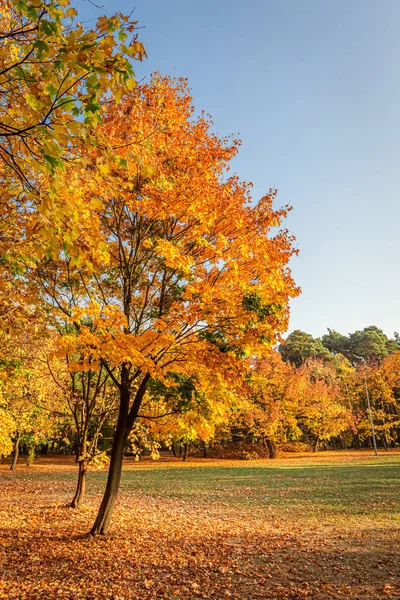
x=41, y=46
x=92, y=107
x=48, y=27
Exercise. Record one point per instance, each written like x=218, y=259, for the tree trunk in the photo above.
x=103, y=518
x=356, y=441
x=271, y=448
x=81, y=485
x=204, y=449
x=173, y=450
x=126, y=420
x=180, y=450
x=16, y=452
x=185, y=452
x=316, y=444
x=384, y=442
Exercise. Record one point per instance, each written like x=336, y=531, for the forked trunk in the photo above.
x=81, y=485
x=271, y=448
x=16, y=453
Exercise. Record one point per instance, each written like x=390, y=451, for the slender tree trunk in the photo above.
x=384, y=442
x=103, y=519
x=16, y=453
x=204, y=449
x=393, y=436
x=173, y=450
x=81, y=485
x=180, y=450
x=356, y=441
x=126, y=420
x=271, y=448
x=316, y=444
x=185, y=452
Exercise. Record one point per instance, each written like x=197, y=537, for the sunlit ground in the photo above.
x=311, y=526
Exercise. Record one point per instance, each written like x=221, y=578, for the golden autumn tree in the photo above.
x=54, y=73
x=180, y=410
x=88, y=397
x=192, y=276
x=324, y=411
x=270, y=411
x=383, y=381
x=7, y=427
x=27, y=393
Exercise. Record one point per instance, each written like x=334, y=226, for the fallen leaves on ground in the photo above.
x=186, y=546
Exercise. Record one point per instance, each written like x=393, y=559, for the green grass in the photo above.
x=368, y=487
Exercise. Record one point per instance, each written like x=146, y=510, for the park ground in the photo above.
x=322, y=526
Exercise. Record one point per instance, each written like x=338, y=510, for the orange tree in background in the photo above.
x=190, y=280
x=324, y=411
x=268, y=413
x=383, y=382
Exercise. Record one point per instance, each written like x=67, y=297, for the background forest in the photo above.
x=309, y=394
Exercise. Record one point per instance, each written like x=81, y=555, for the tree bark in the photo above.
x=271, y=448
x=81, y=485
x=316, y=444
x=103, y=518
x=173, y=450
x=16, y=453
x=185, y=452
x=204, y=449
x=126, y=420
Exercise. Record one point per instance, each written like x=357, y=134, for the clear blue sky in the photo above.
x=313, y=89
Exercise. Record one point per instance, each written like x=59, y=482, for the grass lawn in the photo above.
x=321, y=526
